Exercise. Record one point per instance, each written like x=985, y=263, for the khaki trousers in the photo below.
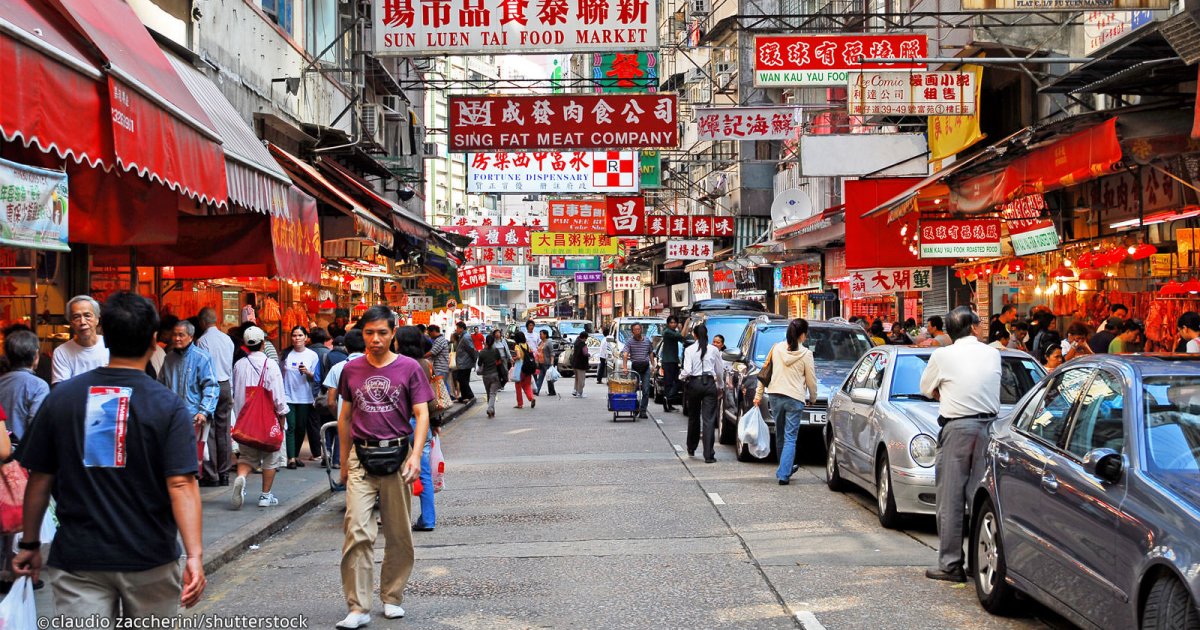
x=111, y=594
x=358, y=552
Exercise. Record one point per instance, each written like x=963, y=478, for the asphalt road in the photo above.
x=557, y=517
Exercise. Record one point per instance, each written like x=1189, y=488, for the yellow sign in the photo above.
x=1188, y=241
x=950, y=134
x=572, y=244
x=1161, y=265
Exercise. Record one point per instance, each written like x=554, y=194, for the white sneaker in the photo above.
x=267, y=500
x=392, y=611
x=583, y=395
x=354, y=620
x=239, y=493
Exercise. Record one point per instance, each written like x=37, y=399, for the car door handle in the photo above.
x=1050, y=483
x=1003, y=458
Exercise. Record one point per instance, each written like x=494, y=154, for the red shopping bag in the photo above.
x=13, y=479
x=257, y=426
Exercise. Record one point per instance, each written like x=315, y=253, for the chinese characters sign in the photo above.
x=471, y=277
x=564, y=266
x=689, y=250
x=954, y=238
x=571, y=244
x=865, y=282
x=748, y=123
x=808, y=60
x=296, y=238
x=587, y=277
x=1101, y=28
x=553, y=172
x=563, y=121
x=911, y=93
x=624, y=282
x=701, y=285
x=802, y=275
x=461, y=27
x=34, y=202
x=498, y=255
x=626, y=216
x=1030, y=233
x=615, y=73
x=577, y=216
x=677, y=225
x=723, y=281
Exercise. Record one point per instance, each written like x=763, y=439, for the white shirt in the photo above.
x=602, y=353
x=1193, y=346
x=534, y=339
x=158, y=358
x=219, y=346
x=72, y=359
x=694, y=365
x=248, y=372
x=335, y=376
x=966, y=374
x=248, y=315
x=297, y=386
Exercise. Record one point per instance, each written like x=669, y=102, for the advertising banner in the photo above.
x=624, y=282
x=950, y=134
x=857, y=154
x=35, y=208
x=704, y=226
x=587, y=277
x=420, y=302
x=615, y=73
x=866, y=282
x=471, y=277
x=1101, y=28
x=724, y=281
x=689, y=250
x=563, y=122
x=548, y=290
x=498, y=274
x=564, y=266
x=296, y=240
x=473, y=27
x=911, y=93
x=564, y=244
x=488, y=235
x=701, y=285
x=960, y=238
x=1029, y=231
x=553, y=172
x=651, y=169
x=825, y=60
x=626, y=216
x=748, y=123
x=568, y=215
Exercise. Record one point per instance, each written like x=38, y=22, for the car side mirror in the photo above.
x=1104, y=463
x=733, y=356
x=863, y=395
x=610, y=339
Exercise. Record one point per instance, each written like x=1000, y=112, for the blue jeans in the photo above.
x=787, y=412
x=644, y=386
x=428, y=512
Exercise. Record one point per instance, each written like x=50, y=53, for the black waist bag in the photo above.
x=381, y=461
x=641, y=366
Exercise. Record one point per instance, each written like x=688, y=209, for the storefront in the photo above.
x=794, y=282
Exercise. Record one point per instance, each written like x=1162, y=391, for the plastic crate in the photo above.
x=623, y=402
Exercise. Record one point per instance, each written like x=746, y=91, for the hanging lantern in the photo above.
x=1171, y=288
x=1091, y=274
x=1142, y=251
x=1191, y=286
x=1016, y=266
x=1062, y=273
x=1087, y=260
x=328, y=305
x=361, y=306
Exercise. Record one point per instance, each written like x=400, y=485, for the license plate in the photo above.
x=815, y=417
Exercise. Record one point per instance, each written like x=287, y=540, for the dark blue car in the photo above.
x=1087, y=497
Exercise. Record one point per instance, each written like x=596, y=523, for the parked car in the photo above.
x=882, y=433
x=568, y=351
x=621, y=330
x=571, y=328
x=836, y=347
x=727, y=305
x=1087, y=498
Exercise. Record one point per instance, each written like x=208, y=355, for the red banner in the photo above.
x=700, y=226
x=625, y=216
x=824, y=59
x=498, y=255
x=493, y=235
x=563, y=121
x=577, y=216
x=471, y=277
x=297, y=240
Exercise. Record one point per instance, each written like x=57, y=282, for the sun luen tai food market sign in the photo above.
x=563, y=122
x=553, y=172
x=460, y=27
x=954, y=238
x=825, y=60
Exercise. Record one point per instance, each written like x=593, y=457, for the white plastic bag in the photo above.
x=748, y=426
x=17, y=611
x=763, y=448
x=552, y=374
x=437, y=465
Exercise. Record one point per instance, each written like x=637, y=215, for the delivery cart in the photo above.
x=623, y=395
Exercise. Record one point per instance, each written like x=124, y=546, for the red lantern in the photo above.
x=1087, y=260
x=1016, y=266
x=1142, y=251
x=1063, y=272
x=1191, y=286
x=1171, y=288
x=1091, y=274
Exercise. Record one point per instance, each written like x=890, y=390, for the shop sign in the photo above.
x=825, y=60
x=911, y=93
x=680, y=225
x=1162, y=265
x=552, y=172
x=572, y=244
x=1101, y=28
x=950, y=134
x=835, y=264
x=616, y=73
x=421, y=317
x=824, y=296
x=567, y=266
x=651, y=169
x=960, y=238
x=802, y=275
x=418, y=28
x=420, y=302
x=1029, y=232
x=577, y=216
x=679, y=294
x=35, y=205
x=295, y=239
x=588, y=277
x=563, y=121
x=724, y=280
x=701, y=285
x=548, y=290
x=471, y=277
x=498, y=255
x=1117, y=199
x=625, y=216
x=866, y=282
x=497, y=274
x=689, y=250
x=492, y=235
x=606, y=303
x=748, y=123
x=624, y=282
x=1054, y=5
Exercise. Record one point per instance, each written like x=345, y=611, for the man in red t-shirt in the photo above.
x=478, y=338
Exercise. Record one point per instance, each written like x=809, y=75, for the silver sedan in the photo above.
x=882, y=432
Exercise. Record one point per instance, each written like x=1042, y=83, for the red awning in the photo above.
x=400, y=220
x=315, y=184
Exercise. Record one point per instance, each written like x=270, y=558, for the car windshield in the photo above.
x=1017, y=376
x=649, y=329
x=1172, y=424
x=766, y=338
x=837, y=344
x=730, y=328
x=573, y=328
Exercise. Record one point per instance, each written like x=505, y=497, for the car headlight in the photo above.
x=923, y=450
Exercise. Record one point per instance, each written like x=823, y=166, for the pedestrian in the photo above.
x=878, y=335
x=491, y=370
x=500, y=344
x=897, y=336
x=965, y=378
x=477, y=338
x=637, y=352
x=790, y=379
x=85, y=350
x=21, y=391
x=337, y=353
x=188, y=371
x=1042, y=331
x=602, y=355
x=705, y=374
x=1189, y=334
x=999, y=338
x=355, y=348
x=1076, y=343
x=719, y=342
x=1108, y=331
x=1131, y=331
x=452, y=379
x=546, y=354
x=301, y=368
x=220, y=348
x=438, y=352
x=408, y=340
x=251, y=371
x=579, y=365
x=381, y=393
x=166, y=328
x=126, y=486
x=912, y=328
x=1019, y=336
x=528, y=367
x=1008, y=315
x=466, y=356
x=1052, y=356
x=1118, y=310
x=936, y=333
x=671, y=343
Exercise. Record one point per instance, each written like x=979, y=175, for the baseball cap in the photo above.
x=254, y=336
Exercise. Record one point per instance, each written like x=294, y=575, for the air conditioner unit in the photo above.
x=394, y=103
x=371, y=121
x=693, y=75
x=724, y=81
x=429, y=150
x=722, y=67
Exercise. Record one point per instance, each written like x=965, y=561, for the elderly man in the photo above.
x=219, y=346
x=85, y=351
x=188, y=371
x=637, y=351
x=965, y=378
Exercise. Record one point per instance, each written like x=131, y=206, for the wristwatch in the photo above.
x=29, y=545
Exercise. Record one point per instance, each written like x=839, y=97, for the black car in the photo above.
x=836, y=347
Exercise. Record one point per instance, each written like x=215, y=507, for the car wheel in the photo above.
x=888, y=516
x=1169, y=606
x=728, y=432
x=833, y=475
x=988, y=565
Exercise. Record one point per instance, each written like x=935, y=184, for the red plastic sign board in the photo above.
x=563, y=122
x=805, y=60
x=626, y=216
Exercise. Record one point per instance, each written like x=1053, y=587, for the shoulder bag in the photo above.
x=257, y=425
x=768, y=369
x=441, y=395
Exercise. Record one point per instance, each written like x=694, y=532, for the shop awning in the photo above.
x=317, y=185
x=400, y=219
x=1140, y=63
x=253, y=177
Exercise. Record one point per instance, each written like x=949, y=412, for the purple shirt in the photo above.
x=382, y=398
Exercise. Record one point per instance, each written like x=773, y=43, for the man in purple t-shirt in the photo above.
x=380, y=393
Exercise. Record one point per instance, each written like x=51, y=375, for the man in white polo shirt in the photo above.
x=85, y=351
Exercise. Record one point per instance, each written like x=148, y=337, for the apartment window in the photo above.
x=321, y=27
x=280, y=12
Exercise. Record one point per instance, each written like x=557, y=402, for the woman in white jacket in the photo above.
x=787, y=374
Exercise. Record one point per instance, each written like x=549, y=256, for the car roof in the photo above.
x=1154, y=364
x=779, y=320
x=928, y=350
x=736, y=313
x=721, y=304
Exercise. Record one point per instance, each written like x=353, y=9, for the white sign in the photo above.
x=1101, y=28
x=469, y=27
x=748, y=123
x=420, y=302
x=689, y=250
x=854, y=155
x=902, y=93
x=701, y=285
x=553, y=172
x=679, y=294
x=864, y=282
x=624, y=282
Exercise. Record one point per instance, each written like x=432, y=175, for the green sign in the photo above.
x=651, y=169
x=625, y=72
